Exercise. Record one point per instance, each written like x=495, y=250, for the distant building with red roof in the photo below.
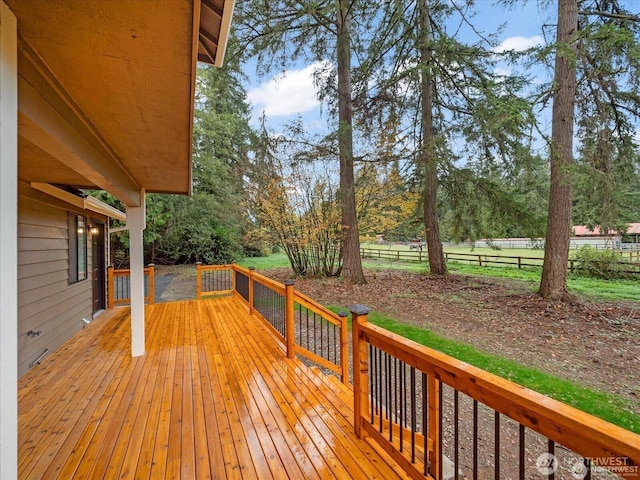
x=633, y=229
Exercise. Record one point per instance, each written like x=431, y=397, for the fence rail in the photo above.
x=405, y=392
x=630, y=267
x=119, y=286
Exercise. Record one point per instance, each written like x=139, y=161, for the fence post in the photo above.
x=289, y=318
x=344, y=348
x=434, y=399
x=251, y=270
x=198, y=280
x=571, y=265
x=519, y=262
x=360, y=368
x=152, y=283
x=110, y=286
x=480, y=260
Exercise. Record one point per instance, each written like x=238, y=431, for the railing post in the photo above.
x=344, y=348
x=360, y=367
x=289, y=317
x=251, y=270
x=434, y=434
x=152, y=283
x=110, y=286
x=233, y=277
x=198, y=280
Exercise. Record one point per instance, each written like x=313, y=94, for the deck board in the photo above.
x=214, y=397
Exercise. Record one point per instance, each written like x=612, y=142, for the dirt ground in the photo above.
x=596, y=344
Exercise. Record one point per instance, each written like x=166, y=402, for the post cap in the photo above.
x=289, y=282
x=359, y=310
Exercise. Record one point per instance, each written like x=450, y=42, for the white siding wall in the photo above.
x=46, y=301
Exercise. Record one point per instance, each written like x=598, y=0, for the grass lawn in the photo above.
x=590, y=288
x=607, y=406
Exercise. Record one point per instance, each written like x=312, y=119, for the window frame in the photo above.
x=78, y=246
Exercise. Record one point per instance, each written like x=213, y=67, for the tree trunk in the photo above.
x=553, y=284
x=351, y=262
x=437, y=264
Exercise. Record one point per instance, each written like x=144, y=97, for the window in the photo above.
x=77, y=248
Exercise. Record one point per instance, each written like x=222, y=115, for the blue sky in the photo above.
x=291, y=93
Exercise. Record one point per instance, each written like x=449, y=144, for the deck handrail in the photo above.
x=122, y=296
x=585, y=434
x=211, y=278
x=284, y=313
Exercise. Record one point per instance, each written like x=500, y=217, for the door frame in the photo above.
x=98, y=265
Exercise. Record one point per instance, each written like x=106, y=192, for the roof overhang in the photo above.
x=86, y=203
x=106, y=90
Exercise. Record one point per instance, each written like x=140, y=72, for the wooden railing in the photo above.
x=305, y=327
x=403, y=391
x=214, y=280
x=119, y=286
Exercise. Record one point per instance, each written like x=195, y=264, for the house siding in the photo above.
x=46, y=301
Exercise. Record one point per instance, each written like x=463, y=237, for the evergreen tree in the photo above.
x=280, y=31
x=208, y=226
x=596, y=75
x=465, y=122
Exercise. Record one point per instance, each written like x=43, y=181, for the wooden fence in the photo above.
x=630, y=267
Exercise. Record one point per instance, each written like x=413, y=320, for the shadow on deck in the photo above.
x=214, y=397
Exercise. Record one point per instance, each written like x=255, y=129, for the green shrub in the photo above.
x=599, y=263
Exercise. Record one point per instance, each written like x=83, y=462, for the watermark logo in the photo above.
x=548, y=464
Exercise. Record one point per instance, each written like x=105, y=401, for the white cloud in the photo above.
x=519, y=43
x=503, y=71
x=289, y=93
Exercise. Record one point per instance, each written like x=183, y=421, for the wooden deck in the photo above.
x=214, y=397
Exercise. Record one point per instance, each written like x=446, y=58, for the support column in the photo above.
x=8, y=244
x=136, y=223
